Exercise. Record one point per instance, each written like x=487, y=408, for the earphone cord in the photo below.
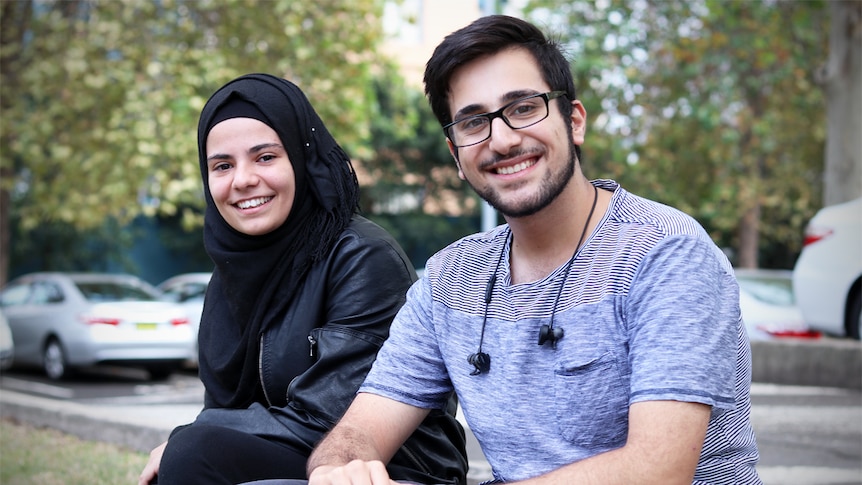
x=572, y=259
x=490, y=286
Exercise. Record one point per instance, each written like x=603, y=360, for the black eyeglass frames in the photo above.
x=518, y=114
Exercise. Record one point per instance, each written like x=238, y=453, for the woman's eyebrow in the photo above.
x=264, y=146
x=218, y=156
x=254, y=149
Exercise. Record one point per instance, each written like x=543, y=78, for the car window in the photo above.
x=16, y=294
x=774, y=291
x=111, y=291
x=173, y=293
x=193, y=291
x=182, y=292
x=45, y=292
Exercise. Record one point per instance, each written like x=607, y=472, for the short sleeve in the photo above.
x=409, y=367
x=682, y=316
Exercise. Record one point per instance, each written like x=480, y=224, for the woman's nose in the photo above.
x=245, y=175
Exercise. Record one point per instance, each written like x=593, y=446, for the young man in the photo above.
x=594, y=338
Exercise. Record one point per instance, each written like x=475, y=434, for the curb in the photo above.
x=821, y=362
x=135, y=427
x=808, y=362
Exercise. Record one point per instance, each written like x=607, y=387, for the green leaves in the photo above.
x=101, y=99
x=717, y=101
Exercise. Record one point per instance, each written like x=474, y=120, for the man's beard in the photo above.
x=549, y=190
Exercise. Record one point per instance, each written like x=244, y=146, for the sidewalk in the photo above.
x=141, y=427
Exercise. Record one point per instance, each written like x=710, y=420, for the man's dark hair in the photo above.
x=490, y=35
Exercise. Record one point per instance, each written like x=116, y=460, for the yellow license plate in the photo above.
x=147, y=326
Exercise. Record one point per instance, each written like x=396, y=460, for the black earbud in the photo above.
x=550, y=334
x=481, y=361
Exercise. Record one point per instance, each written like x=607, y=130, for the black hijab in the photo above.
x=255, y=277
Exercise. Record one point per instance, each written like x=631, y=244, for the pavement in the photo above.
x=146, y=422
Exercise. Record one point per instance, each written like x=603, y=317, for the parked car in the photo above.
x=63, y=321
x=827, y=277
x=7, y=344
x=188, y=290
x=768, y=305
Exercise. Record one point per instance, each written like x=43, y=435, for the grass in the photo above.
x=35, y=456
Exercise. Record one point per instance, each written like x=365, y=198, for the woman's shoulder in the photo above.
x=362, y=231
x=364, y=240
x=362, y=227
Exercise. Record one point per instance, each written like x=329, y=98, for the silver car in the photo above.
x=188, y=289
x=7, y=345
x=768, y=306
x=61, y=321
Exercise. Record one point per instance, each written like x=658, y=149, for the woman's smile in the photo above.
x=253, y=203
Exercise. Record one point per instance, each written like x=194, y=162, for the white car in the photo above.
x=768, y=306
x=827, y=278
x=64, y=321
x=188, y=290
x=7, y=344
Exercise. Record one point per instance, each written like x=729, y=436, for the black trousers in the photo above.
x=212, y=455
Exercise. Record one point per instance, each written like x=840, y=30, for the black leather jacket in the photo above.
x=313, y=364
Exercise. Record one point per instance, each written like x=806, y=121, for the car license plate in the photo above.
x=147, y=326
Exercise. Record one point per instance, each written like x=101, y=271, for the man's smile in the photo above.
x=515, y=168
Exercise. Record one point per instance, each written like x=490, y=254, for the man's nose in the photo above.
x=503, y=137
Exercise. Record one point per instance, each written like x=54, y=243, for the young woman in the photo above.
x=302, y=296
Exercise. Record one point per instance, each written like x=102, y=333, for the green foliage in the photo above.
x=409, y=151
x=421, y=235
x=60, y=247
x=710, y=106
x=100, y=99
x=410, y=163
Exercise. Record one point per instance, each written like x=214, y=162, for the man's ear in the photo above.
x=579, y=122
x=453, y=150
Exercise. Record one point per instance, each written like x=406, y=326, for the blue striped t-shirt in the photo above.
x=649, y=310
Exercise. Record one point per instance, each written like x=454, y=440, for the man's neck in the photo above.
x=545, y=240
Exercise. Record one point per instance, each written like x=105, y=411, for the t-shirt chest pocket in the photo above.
x=592, y=400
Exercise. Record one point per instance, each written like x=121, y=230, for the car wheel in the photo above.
x=54, y=360
x=854, y=317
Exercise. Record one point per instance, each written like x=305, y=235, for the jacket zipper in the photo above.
x=260, y=372
x=312, y=343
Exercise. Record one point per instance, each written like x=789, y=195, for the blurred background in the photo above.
x=745, y=115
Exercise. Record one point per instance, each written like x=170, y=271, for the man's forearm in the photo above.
x=364, y=440
x=341, y=446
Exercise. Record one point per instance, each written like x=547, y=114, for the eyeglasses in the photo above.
x=518, y=114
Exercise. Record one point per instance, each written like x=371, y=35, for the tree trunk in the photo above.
x=5, y=233
x=842, y=83
x=749, y=237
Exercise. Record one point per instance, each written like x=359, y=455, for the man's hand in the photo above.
x=367, y=436
x=152, y=468
x=357, y=472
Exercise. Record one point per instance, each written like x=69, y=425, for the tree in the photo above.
x=413, y=188
x=710, y=106
x=841, y=79
x=100, y=98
